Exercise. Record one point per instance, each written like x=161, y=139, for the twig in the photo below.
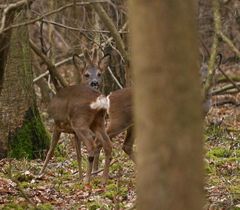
x=51, y=67
x=79, y=29
x=9, y=8
x=222, y=89
x=2, y=29
x=229, y=42
x=114, y=78
x=100, y=170
x=111, y=27
x=22, y=192
x=211, y=63
x=229, y=79
x=80, y=55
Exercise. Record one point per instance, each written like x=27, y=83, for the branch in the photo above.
x=229, y=79
x=114, y=78
x=211, y=63
x=9, y=7
x=51, y=67
x=80, y=55
x=229, y=42
x=222, y=89
x=2, y=29
x=80, y=29
x=111, y=27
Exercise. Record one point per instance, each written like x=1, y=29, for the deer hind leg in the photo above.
x=85, y=135
x=79, y=155
x=55, y=139
x=107, y=146
x=128, y=144
x=96, y=155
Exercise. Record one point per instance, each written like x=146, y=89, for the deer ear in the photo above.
x=86, y=55
x=95, y=56
x=79, y=62
x=104, y=62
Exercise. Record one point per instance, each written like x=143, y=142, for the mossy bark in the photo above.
x=22, y=133
x=31, y=139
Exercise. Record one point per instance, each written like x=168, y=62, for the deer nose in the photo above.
x=94, y=84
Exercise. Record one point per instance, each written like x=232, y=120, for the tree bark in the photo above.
x=167, y=110
x=22, y=133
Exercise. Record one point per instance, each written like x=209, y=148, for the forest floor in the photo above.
x=60, y=188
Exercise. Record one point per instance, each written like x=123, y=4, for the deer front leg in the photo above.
x=107, y=146
x=96, y=155
x=85, y=135
x=55, y=139
x=79, y=155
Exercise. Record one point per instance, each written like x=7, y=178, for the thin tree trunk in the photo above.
x=168, y=105
x=22, y=133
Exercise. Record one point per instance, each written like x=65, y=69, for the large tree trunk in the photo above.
x=168, y=108
x=22, y=133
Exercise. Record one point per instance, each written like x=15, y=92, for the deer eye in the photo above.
x=99, y=74
x=87, y=75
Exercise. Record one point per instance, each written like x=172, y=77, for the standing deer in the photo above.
x=80, y=110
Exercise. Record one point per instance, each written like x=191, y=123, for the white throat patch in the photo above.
x=101, y=102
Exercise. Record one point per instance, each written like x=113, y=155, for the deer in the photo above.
x=80, y=110
x=120, y=111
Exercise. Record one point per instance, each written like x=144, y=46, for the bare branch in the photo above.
x=111, y=27
x=114, y=78
x=80, y=55
x=2, y=29
x=51, y=67
x=211, y=63
x=79, y=29
x=9, y=7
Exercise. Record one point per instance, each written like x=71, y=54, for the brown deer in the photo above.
x=91, y=69
x=80, y=110
x=120, y=119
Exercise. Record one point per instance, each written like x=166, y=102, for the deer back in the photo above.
x=71, y=102
x=120, y=111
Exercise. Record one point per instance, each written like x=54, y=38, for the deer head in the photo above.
x=91, y=67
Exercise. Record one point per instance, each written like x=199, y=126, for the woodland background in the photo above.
x=60, y=29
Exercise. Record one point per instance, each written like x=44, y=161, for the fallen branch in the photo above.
x=224, y=88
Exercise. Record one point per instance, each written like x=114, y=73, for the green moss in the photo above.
x=219, y=152
x=30, y=140
x=45, y=206
x=12, y=206
x=237, y=153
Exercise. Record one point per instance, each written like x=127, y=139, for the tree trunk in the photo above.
x=4, y=47
x=22, y=133
x=168, y=105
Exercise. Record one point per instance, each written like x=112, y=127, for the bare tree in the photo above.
x=167, y=99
